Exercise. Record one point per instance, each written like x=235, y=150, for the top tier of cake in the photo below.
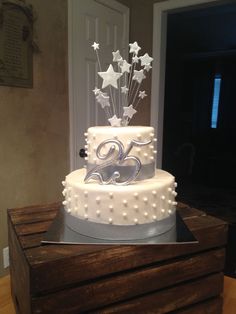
x=145, y=153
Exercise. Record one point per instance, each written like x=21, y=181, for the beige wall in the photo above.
x=34, y=136
x=141, y=23
x=34, y=130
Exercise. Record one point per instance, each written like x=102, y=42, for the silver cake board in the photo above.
x=60, y=233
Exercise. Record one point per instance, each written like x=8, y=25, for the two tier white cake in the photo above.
x=147, y=200
x=120, y=195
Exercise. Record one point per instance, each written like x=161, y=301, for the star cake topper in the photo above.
x=120, y=94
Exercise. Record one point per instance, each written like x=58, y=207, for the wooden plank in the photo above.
x=171, y=299
x=203, y=222
x=33, y=228
x=127, y=285
x=34, y=208
x=19, y=271
x=96, y=261
x=26, y=218
x=30, y=241
x=212, y=306
x=186, y=211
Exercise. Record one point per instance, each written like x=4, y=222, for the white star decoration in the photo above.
x=103, y=100
x=95, y=46
x=96, y=91
x=134, y=48
x=129, y=111
x=109, y=77
x=147, y=67
x=135, y=59
x=124, y=89
x=139, y=76
x=125, y=67
x=116, y=56
x=142, y=94
x=145, y=59
x=120, y=106
x=114, y=121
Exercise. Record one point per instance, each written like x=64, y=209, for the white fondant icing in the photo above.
x=125, y=135
x=135, y=194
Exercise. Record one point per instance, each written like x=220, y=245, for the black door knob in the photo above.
x=82, y=153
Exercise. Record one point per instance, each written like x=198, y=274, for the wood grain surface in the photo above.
x=163, y=278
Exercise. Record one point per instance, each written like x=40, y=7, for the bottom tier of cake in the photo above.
x=139, y=203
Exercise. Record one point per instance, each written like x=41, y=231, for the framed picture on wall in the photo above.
x=16, y=50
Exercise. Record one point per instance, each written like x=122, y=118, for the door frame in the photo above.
x=73, y=76
x=160, y=14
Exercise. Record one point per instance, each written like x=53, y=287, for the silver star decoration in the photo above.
x=116, y=56
x=135, y=59
x=109, y=77
x=138, y=76
x=96, y=91
x=103, y=100
x=142, y=94
x=147, y=67
x=134, y=48
x=114, y=121
x=125, y=67
x=124, y=90
x=95, y=46
x=120, y=62
x=145, y=59
x=129, y=111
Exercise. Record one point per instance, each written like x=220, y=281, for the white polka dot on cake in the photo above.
x=145, y=199
x=136, y=195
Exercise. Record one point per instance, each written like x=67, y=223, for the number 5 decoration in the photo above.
x=115, y=158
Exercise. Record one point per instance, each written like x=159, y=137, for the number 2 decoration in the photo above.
x=115, y=158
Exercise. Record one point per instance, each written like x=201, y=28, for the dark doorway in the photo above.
x=199, y=142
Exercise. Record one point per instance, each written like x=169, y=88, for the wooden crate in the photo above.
x=168, y=278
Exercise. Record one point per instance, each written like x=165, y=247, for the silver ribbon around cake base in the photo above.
x=147, y=171
x=120, y=232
